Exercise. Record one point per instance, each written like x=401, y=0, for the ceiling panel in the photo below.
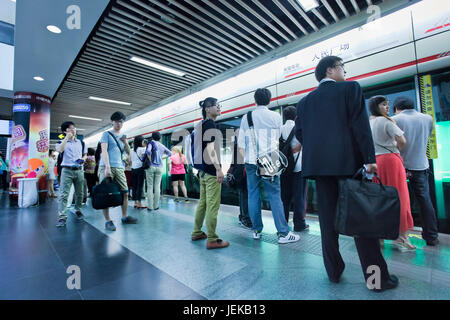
x=201, y=38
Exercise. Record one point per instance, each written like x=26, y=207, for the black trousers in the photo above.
x=138, y=177
x=91, y=179
x=369, y=251
x=293, y=189
x=421, y=189
x=243, y=206
x=4, y=177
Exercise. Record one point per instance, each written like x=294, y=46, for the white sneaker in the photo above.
x=256, y=235
x=290, y=237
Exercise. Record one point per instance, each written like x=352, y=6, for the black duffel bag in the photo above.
x=106, y=194
x=366, y=209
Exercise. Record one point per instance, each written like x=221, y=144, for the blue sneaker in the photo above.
x=109, y=225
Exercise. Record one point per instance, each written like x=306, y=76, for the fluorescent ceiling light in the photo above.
x=78, y=129
x=13, y=0
x=157, y=66
x=110, y=101
x=87, y=118
x=308, y=4
x=53, y=29
x=38, y=78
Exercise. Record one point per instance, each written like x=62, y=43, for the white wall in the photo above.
x=6, y=66
x=8, y=11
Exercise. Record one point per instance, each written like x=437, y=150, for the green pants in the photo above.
x=208, y=206
x=68, y=177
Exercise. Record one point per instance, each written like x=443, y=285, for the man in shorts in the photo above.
x=114, y=150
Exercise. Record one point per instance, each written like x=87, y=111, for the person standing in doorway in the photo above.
x=178, y=172
x=155, y=151
x=137, y=172
x=417, y=128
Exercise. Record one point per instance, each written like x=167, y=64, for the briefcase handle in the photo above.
x=360, y=172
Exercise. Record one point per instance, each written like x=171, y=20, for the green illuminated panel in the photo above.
x=442, y=164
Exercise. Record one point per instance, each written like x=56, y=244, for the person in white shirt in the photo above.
x=293, y=185
x=267, y=125
x=137, y=172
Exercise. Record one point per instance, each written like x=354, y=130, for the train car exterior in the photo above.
x=404, y=53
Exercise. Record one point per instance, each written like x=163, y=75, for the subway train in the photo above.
x=406, y=52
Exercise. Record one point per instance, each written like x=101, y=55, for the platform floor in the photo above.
x=156, y=259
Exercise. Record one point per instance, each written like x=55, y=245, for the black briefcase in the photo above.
x=366, y=209
x=106, y=194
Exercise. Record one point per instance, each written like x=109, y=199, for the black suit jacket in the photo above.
x=333, y=126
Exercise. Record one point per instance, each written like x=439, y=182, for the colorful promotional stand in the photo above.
x=30, y=141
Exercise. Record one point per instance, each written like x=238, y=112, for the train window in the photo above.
x=392, y=91
x=441, y=96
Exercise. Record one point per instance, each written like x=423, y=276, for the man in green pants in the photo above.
x=211, y=177
x=74, y=154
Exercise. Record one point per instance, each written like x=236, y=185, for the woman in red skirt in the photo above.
x=388, y=139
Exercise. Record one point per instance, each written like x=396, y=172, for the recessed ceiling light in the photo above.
x=87, y=118
x=38, y=78
x=157, y=66
x=110, y=101
x=308, y=4
x=78, y=129
x=53, y=29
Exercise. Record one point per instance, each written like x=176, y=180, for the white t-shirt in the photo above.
x=137, y=157
x=384, y=133
x=267, y=126
x=285, y=132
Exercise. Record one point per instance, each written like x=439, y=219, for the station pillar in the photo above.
x=30, y=141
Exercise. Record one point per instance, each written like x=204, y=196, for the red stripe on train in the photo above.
x=370, y=74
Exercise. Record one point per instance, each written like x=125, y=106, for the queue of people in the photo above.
x=394, y=147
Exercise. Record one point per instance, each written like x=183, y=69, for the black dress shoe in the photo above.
x=338, y=278
x=390, y=284
x=433, y=242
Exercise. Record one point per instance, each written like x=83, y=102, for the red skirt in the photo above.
x=392, y=173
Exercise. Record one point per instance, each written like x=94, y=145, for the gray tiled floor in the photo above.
x=250, y=269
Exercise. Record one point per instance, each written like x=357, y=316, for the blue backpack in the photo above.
x=194, y=150
x=154, y=154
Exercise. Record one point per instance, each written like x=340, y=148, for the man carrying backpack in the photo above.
x=73, y=154
x=206, y=159
x=293, y=185
x=155, y=150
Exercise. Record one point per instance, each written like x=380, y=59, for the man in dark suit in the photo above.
x=333, y=127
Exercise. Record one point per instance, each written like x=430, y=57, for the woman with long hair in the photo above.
x=178, y=172
x=388, y=139
x=51, y=176
x=137, y=172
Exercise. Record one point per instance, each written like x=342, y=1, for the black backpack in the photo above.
x=285, y=148
x=61, y=157
x=106, y=194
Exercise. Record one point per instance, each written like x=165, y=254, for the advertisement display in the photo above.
x=30, y=140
